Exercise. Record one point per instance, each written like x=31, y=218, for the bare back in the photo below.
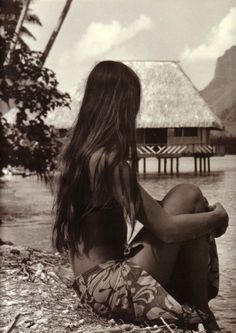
x=104, y=227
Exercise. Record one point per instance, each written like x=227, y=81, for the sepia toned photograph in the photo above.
x=118, y=166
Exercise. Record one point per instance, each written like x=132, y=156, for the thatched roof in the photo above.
x=169, y=99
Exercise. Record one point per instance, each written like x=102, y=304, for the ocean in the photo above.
x=26, y=219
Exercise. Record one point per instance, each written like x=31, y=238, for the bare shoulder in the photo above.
x=100, y=157
x=98, y=160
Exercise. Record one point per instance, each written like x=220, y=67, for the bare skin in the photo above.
x=173, y=235
x=162, y=260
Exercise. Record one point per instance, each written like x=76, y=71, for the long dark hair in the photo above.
x=107, y=122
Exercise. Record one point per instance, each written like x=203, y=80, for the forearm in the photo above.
x=181, y=227
x=175, y=228
x=190, y=226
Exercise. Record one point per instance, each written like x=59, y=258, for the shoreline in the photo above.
x=26, y=220
x=37, y=296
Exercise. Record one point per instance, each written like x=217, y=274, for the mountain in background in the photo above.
x=220, y=93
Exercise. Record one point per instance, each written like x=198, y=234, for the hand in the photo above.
x=223, y=219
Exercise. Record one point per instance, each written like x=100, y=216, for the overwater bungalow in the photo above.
x=174, y=120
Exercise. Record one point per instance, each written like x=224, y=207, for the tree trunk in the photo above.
x=17, y=31
x=56, y=31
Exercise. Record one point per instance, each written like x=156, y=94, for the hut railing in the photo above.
x=178, y=150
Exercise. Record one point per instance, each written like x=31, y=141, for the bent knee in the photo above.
x=190, y=191
x=184, y=198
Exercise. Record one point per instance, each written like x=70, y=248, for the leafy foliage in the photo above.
x=5, y=147
x=30, y=143
x=34, y=88
x=9, y=14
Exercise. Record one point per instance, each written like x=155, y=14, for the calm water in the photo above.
x=26, y=206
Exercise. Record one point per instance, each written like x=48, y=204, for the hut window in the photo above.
x=178, y=131
x=156, y=135
x=191, y=131
x=140, y=133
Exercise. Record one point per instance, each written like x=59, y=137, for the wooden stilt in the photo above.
x=168, y=158
x=204, y=164
x=165, y=163
x=208, y=164
x=195, y=165
x=171, y=165
x=159, y=165
x=200, y=165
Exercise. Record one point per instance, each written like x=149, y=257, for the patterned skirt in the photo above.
x=121, y=289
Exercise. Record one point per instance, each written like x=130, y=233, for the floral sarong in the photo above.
x=121, y=289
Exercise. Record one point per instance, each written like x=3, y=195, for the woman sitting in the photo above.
x=169, y=270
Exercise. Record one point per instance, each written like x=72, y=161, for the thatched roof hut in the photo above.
x=169, y=100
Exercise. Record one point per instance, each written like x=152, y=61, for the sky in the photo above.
x=195, y=32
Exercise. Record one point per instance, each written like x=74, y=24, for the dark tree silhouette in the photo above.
x=10, y=11
x=29, y=143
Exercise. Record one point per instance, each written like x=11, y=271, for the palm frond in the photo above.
x=33, y=19
x=23, y=44
x=24, y=31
